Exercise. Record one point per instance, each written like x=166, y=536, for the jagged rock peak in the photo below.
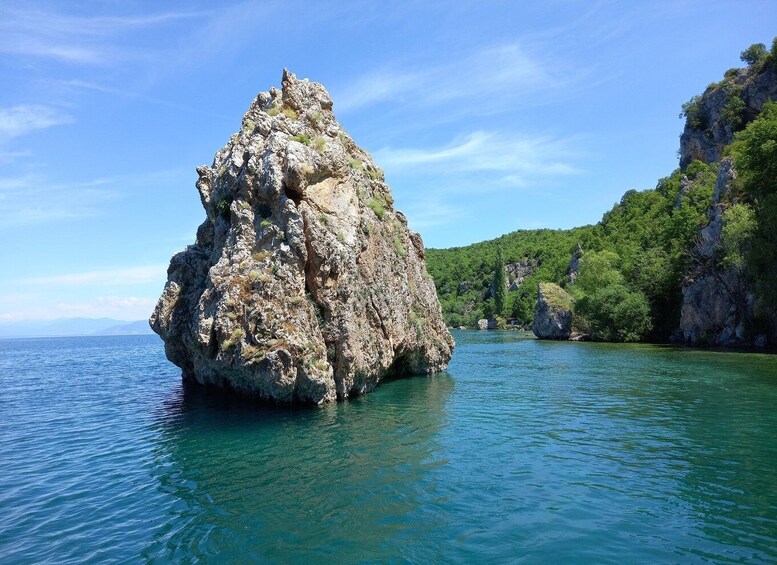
x=304, y=282
x=725, y=107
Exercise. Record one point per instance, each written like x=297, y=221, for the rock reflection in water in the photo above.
x=269, y=483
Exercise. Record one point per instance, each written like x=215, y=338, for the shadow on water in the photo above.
x=349, y=480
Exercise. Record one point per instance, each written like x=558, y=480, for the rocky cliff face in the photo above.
x=722, y=110
x=304, y=282
x=716, y=303
x=553, y=312
x=516, y=274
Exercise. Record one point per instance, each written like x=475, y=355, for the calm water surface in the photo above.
x=524, y=451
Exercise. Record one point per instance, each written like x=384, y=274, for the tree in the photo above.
x=597, y=271
x=500, y=283
x=755, y=153
x=739, y=225
x=617, y=314
x=753, y=54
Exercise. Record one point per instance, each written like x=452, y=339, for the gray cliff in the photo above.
x=716, y=302
x=713, y=118
x=304, y=282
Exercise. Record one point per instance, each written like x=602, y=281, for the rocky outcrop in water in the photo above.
x=553, y=312
x=304, y=282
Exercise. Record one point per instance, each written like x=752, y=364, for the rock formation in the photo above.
x=516, y=273
x=714, y=117
x=718, y=305
x=304, y=282
x=715, y=301
x=553, y=312
x=487, y=324
x=574, y=263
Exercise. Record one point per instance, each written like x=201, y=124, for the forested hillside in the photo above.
x=649, y=236
x=633, y=266
x=464, y=276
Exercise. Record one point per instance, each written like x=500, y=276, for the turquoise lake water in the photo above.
x=524, y=451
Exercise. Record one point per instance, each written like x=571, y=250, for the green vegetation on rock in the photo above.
x=500, y=284
x=754, y=54
x=556, y=296
x=750, y=230
x=705, y=231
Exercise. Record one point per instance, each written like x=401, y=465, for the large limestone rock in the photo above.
x=553, y=312
x=304, y=282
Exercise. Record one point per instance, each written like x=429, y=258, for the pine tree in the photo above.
x=500, y=284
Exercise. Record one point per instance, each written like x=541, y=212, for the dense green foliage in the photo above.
x=500, y=283
x=733, y=111
x=757, y=56
x=750, y=230
x=753, y=54
x=605, y=309
x=634, y=261
x=739, y=224
x=755, y=154
x=653, y=232
x=462, y=275
x=646, y=242
x=693, y=112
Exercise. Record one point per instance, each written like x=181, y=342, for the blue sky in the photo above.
x=486, y=116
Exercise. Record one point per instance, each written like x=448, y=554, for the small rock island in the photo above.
x=304, y=283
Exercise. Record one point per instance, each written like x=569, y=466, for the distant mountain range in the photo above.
x=73, y=327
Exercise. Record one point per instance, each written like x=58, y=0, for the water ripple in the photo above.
x=524, y=451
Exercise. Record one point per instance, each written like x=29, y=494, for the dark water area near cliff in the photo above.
x=523, y=451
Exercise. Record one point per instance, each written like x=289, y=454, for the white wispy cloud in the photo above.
x=124, y=92
x=29, y=199
x=377, y=86
x=31, y=31
x=25, y=118
x=122, y=307
x=514, y=154
x=35, y=183
x=34, y=198
x=111, y=277
x=431, y=210
x=490, y=76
